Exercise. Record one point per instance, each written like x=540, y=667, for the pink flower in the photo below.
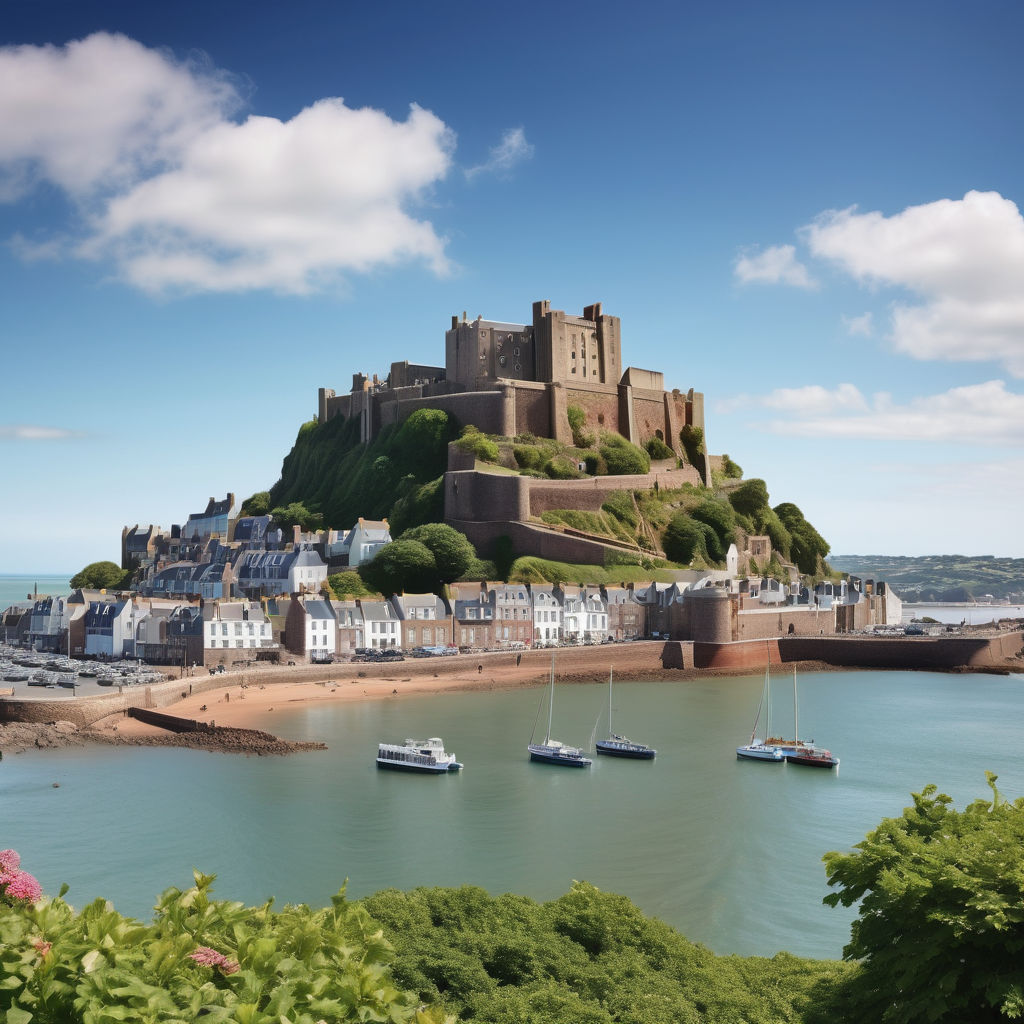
x=9, y=861
x=42, y=946
x=211, y=958
x=20, y=885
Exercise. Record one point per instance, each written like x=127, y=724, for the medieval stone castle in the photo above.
x=508, y=379
x=512, y=379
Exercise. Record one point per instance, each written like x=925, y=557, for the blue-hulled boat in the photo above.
x=553, y=751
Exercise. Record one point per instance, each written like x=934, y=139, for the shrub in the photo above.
x=750, y=497
x=561, y=467
x=685, y=539
x=577, y=422
x=692, y=440
x=730, y=469
x=596, y=466
x=478, y=444
x=657, y=449
x=528, y=456
x=622, y=457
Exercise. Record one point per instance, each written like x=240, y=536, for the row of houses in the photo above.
x=220, y=554
x=495, y=616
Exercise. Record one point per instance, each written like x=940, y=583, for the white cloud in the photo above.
x=28, y=432
x=775, y=265
x=963, y=258
x=513, y=149
x=974, y=414
x=862, y=325
x=181, y=197
x=98, y=112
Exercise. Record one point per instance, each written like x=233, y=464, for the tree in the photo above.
x=347, y=583
x=721, y=517
x=807, y=545
x=451, y=549
x=685, y=539
x=102, y=576
x=940, y=929
x=749, y=497
x=296, y=514
x=257, y=504
x=401, y=566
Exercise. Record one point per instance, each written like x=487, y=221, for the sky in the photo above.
x=806, y=211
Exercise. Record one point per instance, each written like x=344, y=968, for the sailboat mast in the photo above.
x=551, y=701
x=796, y=721
x=609, y=700
x=768, y=703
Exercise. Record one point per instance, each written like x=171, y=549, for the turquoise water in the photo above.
x=20, y=588
x=728, y=852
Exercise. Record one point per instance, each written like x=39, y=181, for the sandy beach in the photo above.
x=245, y=699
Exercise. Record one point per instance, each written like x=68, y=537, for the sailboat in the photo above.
x=620, y=746
x=798, y=751
x=759, y=750
x=552, y=751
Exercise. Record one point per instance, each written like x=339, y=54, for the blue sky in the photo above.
x=806, y=211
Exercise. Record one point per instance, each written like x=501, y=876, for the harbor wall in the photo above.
x=632, y=660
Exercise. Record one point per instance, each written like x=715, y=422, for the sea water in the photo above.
x=727, y=851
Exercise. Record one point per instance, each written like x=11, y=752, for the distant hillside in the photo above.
x=940, y=577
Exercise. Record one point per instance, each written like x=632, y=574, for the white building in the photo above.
x=381, y=625
x=585, y=617
x=365, y=539
x=547, y=615
x=234, y=625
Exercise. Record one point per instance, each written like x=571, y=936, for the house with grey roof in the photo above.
x=426, y=619
x=267, y=573
x=365, y=539
x=215, y=519
x=382, y=627
x=584, y=616
x=350, y=627
x=236, y=630
x=311, y=629
x=110, y=629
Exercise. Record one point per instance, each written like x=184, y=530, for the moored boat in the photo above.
x=553, y=751
x=425, y=756
x=798, y=751
x=621, y=746
x=759, y=750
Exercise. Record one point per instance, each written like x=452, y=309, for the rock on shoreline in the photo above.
x=17, y=737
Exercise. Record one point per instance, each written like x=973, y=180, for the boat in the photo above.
x=105, y=680
x=620, y=746
x=87, y=673
x=67, y=682
x=759, y=750
x=417, y=756
x=552, y=751
x=798, y=751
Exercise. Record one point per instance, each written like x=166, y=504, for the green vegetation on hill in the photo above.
x=941, y=577
x=336, y=477
x=330, y=477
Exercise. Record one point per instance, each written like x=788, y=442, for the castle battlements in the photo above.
x=510, y=378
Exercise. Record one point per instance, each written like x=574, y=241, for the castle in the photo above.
x=510, y=379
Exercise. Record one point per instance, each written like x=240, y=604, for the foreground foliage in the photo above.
x=200, y=959
x=588, y=958
x=940, y=934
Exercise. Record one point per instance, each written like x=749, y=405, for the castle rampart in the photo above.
x=508, y=378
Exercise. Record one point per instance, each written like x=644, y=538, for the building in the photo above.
x=510, y=378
